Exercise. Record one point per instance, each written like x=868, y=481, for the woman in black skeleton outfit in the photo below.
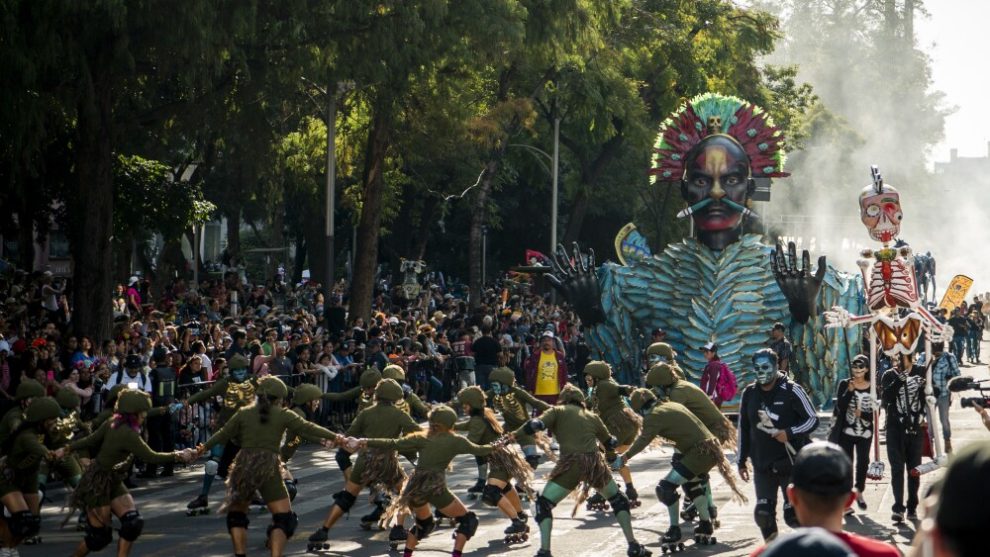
x=853, y=421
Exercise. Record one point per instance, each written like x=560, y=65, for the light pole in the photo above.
x=556, y=164
x=484, y=255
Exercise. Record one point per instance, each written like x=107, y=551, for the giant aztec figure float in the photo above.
x=721, y=285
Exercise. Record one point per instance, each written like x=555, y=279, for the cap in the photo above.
x=709, y=347
x=809, y=542
x=132, y=281
x=393, y=320
x=961, y=513
x=546, y=334
x=822, y=468
x=861, y=360
x=133, y=361
x=389, y=390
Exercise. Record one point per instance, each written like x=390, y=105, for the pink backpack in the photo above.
x=726, y=386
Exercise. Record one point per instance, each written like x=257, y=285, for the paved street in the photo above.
x=169, y=532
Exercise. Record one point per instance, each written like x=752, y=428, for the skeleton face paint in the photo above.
x=496, y=387
x=881, y=212
x=765, y=369
x=716, y=168
x=239, y=375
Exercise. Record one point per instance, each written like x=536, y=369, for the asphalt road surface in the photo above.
x=169, y=532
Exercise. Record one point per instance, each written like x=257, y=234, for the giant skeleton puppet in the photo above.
x=896, y=316
x=721, y=285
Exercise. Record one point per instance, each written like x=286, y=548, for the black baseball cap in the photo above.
x=133, y=361
x=809, y=542
x=822, y=468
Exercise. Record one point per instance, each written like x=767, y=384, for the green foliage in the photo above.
x=148, y=199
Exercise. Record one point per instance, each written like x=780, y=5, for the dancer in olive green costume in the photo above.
x=101, y=490
x=257, y=429
x=665, y=383
x=699, y=450
x=622, y=423
x=374, y=467
x=237, y=390
x=482, y=428
x=364, y=393
x=27, y=390
x=663, y=353
x=579, y=433
x=510, y=400
x=428, y=484
x=306, y=404
x=23, y=453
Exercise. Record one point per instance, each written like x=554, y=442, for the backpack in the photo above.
x=726, y=386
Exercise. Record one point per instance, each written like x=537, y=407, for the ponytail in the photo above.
x=489, y=416
x=265, y=407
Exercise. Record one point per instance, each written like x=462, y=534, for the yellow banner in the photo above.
x=956, y=293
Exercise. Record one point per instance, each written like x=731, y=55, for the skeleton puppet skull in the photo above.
x=881, y=212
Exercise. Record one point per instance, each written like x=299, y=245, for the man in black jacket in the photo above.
x=902, y=396
x=776, y=419
x=164, y=380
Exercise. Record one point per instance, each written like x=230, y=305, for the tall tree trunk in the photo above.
x=479, y=212
x=233, y=215
x=579, y=209
x=890, y=19
x=366, y=258
x=91, y=252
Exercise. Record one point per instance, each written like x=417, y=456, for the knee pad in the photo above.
x=237, y=520
x=131, y=525
x=765, y=519
x=98, y=538
x=790, y=516
x=211, y=467
x=285, y=522
x=24, y=524
x=544, y=509
x=343, y=459
x=491, y=495
x=467, y=524
x=344, y=500
x=290, y=487
x=423, y=527
x=619, y=502
x=533, y=460
x=667, y=492
x=695, y=489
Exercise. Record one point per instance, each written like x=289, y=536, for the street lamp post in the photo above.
x=484, y=255
x=553, y=201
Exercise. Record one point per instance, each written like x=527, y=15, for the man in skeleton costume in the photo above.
x=903, y=397
x=775, y=420
x=721, y=283
x=238, y=391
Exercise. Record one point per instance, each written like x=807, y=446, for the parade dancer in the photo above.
x=374, y=467
x=428, y=484
x=776, y=419
x=663, y=353
x=699, y=452
x=579, y=432
x=23, y=454
x=101, y=490
x=622, y=423
x=237, y=390
x=483, y=428
x=663, y=379
x=27, y=391
x=511, y=401
x=364, y=393
x=306, y=404
x=257, y=430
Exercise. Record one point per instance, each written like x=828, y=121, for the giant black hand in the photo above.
x=799, y=286
x=577, y=280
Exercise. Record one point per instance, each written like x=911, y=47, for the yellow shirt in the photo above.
x=546, y=374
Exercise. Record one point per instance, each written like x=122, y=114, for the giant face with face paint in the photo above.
x=881, y=212
x=716, y=181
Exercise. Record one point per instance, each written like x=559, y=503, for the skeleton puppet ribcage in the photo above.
x=891, y=285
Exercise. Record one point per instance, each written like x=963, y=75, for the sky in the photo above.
x=956, y=36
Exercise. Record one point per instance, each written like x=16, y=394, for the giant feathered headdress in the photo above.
x=712, y=113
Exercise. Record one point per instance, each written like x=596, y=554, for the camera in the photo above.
x=965, y=383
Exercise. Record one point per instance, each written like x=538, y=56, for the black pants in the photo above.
x=904, y=453
x=160, y=436
x=858, y=450
x=768, y=483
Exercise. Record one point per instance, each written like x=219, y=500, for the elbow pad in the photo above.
x=533, y=426
x=612, y=443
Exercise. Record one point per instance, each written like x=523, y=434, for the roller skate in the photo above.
x=198, y=506
x=318, y=540
x=596, y=502
x=688, y=511
x=475, y=491
x=671, y=542
x=638, y=550
x=371, y=520
x=704, y=533
x=396, y=536
x=517, y=532
x=633, y=497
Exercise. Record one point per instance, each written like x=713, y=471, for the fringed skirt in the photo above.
x=623, y=424
x=251, y=470
x=508, y=458
x=572, y=469
x=425, y=486
x=98, y=486
x=381, y=469
x=726, y=434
